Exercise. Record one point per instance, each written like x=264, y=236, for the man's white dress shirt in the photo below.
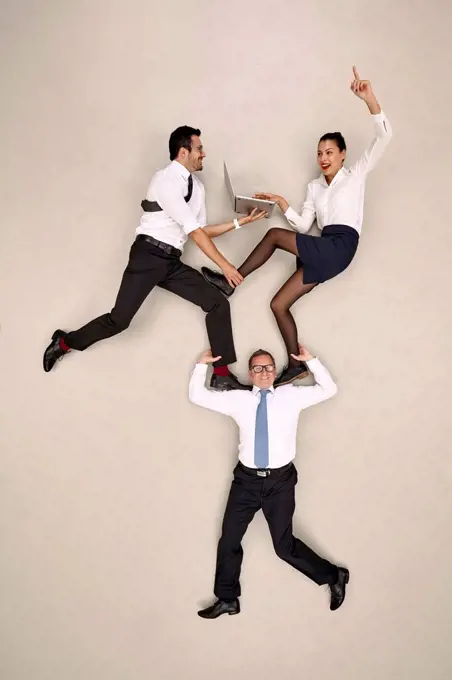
x=342, y=201
x=283, y=409
x=177, y=218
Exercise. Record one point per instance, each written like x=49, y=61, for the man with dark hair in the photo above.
x=173, y=210
x=181, y=138
x=265, y=476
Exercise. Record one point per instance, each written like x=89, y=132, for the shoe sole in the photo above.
x=297, y=377
x=212, y=618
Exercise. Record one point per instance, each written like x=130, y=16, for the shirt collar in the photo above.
x=180, y=169
x=256, y=390
x=338, y=175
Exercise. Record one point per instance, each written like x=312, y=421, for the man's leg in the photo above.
x=243, y=503
x=189, y=284
x=278, y=505
x=147, y=266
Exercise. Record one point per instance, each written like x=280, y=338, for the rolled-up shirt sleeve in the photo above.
x=170, y=198
x=305, y=220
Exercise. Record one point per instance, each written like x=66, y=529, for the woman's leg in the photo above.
x=274, y=238
x=292, y=290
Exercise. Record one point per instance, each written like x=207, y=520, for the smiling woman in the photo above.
x=331, y=154
x=336, y=201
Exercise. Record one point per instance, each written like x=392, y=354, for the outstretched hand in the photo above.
x=207, y=357
x=303, y=354
x=264, y=196
x=361, y=88
x=254, y=216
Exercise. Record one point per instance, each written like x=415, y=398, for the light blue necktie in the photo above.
x=261, y=433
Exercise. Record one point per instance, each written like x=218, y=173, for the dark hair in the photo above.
x=334, y=137
x=259, y=353
x=181, y=139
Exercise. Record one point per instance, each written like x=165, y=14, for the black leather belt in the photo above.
x=169, y=250
x=265, y=472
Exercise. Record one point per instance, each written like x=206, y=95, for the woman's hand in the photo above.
x=363, y=90
x=283, y=204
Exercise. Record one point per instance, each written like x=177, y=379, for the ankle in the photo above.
x=63, y=346
x=221, y=370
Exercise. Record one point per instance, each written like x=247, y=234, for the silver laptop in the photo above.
x=245, y=204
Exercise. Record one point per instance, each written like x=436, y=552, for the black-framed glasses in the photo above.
x=257, y=368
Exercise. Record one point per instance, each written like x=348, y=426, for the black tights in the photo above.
x=292, y=290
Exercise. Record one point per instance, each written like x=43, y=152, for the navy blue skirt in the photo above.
x=324, y=257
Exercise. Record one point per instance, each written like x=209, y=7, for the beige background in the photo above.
x=112, y=483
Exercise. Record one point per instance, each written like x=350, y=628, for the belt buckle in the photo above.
x=263, y=473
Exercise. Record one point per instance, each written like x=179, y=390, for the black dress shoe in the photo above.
x=227, y=382
x=54, y=351
x=220, y=607
x=291, y=373
x=338, y=588
x=218, y=280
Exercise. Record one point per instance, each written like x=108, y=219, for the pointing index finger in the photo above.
x=355, y=73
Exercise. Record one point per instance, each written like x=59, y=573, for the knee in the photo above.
x=228, y=544
x=118, y=324
x=276, y=305
x=217, y=303
x=272, y=234
x=282, y=549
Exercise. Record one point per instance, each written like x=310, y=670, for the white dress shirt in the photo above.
x=342, y=201
x=177, y=218
x=283, y=409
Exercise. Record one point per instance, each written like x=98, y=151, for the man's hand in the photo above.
x=207, y=358
x=303, y=354
x=232, y=274
x=254, y=216
x=361, y=88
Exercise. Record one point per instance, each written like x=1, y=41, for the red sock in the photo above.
x=63, y=346
x=221, y=370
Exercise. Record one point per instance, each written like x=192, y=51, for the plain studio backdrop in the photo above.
x=112, y=483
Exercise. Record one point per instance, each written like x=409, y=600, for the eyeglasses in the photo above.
x=258, y=369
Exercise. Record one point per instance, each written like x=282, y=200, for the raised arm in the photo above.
x=383, y=131
x=324, y=387
x=222, y=402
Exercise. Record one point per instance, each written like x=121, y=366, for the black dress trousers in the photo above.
x=149, y=266
x=275, y=495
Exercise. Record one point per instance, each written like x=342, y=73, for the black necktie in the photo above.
x=190, y=188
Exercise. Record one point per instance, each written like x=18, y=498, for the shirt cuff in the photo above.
x=201, y=368
x=193, y=226
x=312, y=364
x=291, y=215
x=379, y=117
